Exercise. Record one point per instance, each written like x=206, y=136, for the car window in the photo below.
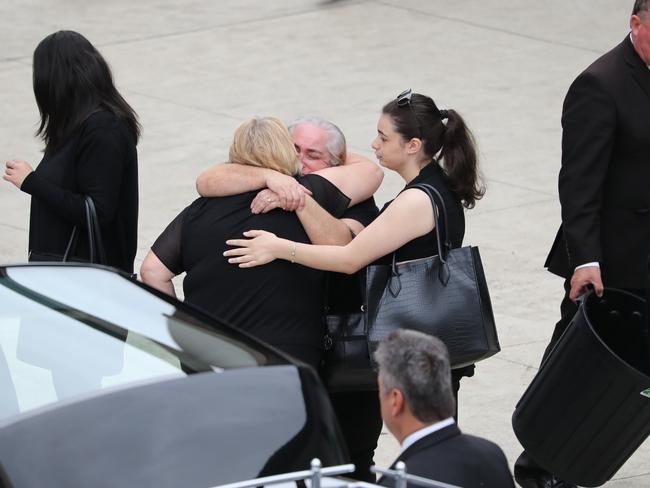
x=69, y=331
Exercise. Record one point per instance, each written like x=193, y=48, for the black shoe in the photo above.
x=539, y=479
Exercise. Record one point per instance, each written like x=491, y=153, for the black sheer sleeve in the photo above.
x=326, y=194
x=168, y=245
x=363, y=212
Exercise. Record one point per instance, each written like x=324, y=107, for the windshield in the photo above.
x=67, y=331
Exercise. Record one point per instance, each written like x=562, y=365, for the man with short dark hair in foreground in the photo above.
x=417, y=406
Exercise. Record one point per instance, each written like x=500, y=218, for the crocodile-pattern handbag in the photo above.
x=445, y=295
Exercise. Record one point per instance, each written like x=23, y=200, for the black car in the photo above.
x=107, y=382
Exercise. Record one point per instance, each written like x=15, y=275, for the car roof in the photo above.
x=90, y=320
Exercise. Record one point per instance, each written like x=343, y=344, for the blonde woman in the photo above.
x=281, y=303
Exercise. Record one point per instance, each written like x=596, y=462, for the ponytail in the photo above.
x=418, y=116
x=459, y=159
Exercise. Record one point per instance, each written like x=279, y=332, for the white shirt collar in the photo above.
x=419, y=434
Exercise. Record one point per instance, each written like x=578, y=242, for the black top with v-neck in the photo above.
x=426, y=245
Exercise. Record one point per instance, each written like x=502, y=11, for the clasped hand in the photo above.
x=258, y=250
x=283, y=191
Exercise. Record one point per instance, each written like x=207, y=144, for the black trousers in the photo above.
x=568, y=309
x=359, y=416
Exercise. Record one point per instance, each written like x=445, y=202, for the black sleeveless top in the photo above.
x=344, y=291
x=426, y=245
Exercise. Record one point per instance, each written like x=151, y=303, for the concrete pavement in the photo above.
x=194, y=70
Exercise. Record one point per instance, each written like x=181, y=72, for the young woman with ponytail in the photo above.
x=424, y=145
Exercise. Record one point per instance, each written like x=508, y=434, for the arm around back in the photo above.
x=359, y=178
x=392, y=229
x=228, y=179
x=225, y=179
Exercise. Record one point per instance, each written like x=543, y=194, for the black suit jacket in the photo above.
x=449, y=456
x=604, y=182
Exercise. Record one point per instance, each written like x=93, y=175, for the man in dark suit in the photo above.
x=417, y=406
x=604, y=186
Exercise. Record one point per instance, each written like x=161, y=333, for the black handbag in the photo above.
x=445, y=295
x=347, y=365
x=96, y=251
x=346, y=360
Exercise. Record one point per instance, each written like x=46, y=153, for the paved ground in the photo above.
x=195, y=69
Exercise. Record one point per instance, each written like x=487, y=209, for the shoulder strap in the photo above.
x=439, y=214
x=437, y=203
x=72, y=242
x=95, y=241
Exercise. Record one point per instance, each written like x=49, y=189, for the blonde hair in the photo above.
x=265, y=142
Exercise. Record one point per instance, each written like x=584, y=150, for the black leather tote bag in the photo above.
x=445, y=295
x=96, y=252
x=346, y=364
x=346, y=359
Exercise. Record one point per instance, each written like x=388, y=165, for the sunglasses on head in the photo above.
x=403, y=100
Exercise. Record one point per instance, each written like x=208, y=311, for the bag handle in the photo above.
x=71, y=244
x=443, y=250
x=438, y=204
x=95, y=242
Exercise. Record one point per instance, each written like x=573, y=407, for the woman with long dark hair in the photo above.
x=424, y=145
x=90, y=134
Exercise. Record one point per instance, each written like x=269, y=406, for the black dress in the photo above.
x=99, y=160
x=426, y=245
x=279, y=303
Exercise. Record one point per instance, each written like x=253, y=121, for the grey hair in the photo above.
x=336, y=145
x=641, y=7
x=417, y=364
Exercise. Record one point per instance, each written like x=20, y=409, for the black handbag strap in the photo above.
x=97, y=254
x=71, y=244
x=439, y=212
x=95, y=241
x=438, y=204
